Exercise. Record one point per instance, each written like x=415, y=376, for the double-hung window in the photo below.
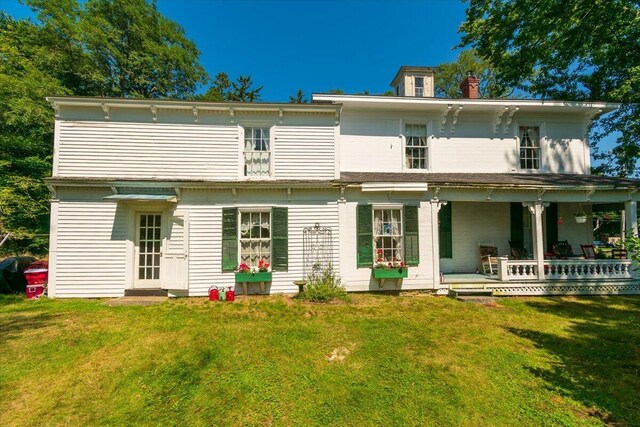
x=387, y=235
x=257, y=152
x=255, y=238
x=529, y=147
x=419, y=86
x=416, y=150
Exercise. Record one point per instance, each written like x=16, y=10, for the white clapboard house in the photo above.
x=171, y=196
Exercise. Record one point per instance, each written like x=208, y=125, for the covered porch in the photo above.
x=541, y=238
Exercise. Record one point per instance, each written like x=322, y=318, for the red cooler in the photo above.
x=37, y=275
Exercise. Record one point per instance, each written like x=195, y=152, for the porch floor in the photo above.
x=468, y=278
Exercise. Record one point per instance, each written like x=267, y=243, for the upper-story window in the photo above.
x=416, y=150
x=419, y=86
x=257, y=152
x=529, y=147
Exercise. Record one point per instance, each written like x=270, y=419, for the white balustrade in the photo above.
x=577, y=269
x=572, y=269
x=513, y=270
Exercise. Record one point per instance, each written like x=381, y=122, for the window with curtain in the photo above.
x=416, y=147
x=387, y=235
x=255, y=238
x=257, y=152
x=529, y=147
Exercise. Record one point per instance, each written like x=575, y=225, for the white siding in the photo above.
x=359, y=279
x=304, y=152
x=148, y=150
x=91, y=249
x=205, y=255
x=372, y=141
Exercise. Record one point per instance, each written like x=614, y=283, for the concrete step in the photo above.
x=478, y=300
x=470, y=292
x=156, y=292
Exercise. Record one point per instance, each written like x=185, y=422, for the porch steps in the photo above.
x=156, y=292
x=478, y=295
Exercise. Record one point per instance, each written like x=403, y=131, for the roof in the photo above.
x=461, y=180
x=412, y=69
x=541, y=180
x=440, y=105
x=188, y=104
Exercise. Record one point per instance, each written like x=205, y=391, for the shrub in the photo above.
x=323, y=285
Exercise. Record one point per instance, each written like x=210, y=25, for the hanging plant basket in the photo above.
x=580, y=218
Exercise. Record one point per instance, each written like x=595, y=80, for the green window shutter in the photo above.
x=517, y=225
x=411, y=250
x=280, y=239
x=445, y=231
x=551, y=213
x=229, y=239
x=365, y=235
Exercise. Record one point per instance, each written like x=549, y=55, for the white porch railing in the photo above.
x=588, y=269
x=512, y=270
x=572, y=269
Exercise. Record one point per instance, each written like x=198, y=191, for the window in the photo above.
x=387, y=235
x=257, y=152
x=416, y=147
x=419, y=86
x=529, y=147
x=255, y=238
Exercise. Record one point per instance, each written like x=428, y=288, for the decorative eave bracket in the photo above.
x=510, y=119
x=106, y=110
x=498, y=119
x=454, y=119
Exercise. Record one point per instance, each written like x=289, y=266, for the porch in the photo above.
x=471, y=225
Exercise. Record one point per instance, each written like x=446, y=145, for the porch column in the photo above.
x=536, y=210
x=435, y=240
x=631, y=218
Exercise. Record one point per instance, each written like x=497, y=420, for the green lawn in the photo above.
x=395, y=360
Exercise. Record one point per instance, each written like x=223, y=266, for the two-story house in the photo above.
x=174, y=195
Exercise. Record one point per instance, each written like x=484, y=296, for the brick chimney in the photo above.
x=470, y=85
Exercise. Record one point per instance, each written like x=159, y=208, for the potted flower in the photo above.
x=246, y=274
x=395, y=269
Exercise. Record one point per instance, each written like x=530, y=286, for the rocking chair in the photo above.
x=489, y=258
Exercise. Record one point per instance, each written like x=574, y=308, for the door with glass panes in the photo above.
x=148, y=248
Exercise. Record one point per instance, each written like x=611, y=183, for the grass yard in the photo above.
x=378, y=360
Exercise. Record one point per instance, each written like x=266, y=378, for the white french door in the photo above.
x=148, y=249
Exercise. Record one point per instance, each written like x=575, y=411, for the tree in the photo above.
x=450, y=75
x=223, y=89
x=298, y=98
x=97, y=47
x=582, y=50
x=126, y=47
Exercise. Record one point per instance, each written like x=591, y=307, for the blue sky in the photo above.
x=313, y=45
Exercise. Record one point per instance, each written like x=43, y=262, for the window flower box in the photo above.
x=253, y=277
x=390, y=273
